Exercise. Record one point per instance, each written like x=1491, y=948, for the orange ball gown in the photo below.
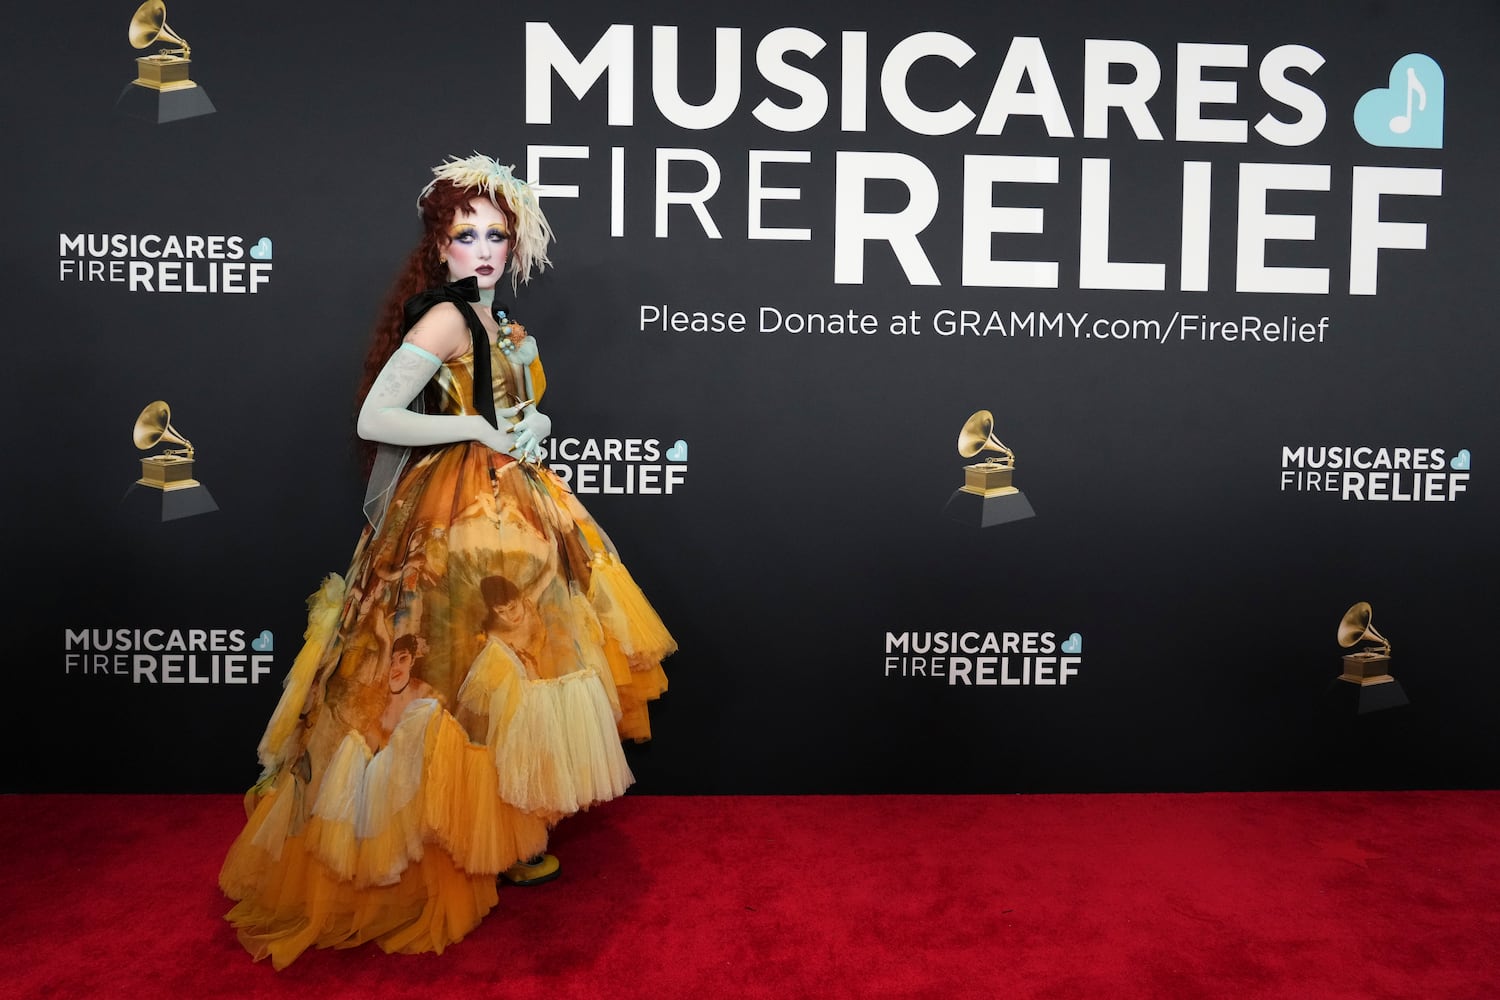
x=385, y=815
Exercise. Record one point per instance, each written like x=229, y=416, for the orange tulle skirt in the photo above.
x=464, y=688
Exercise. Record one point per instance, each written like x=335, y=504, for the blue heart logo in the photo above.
x=1073, y=644
x=1461, y=460
x=264, y=642
x=262, y=249
x=678, y=452
x=1408, y=113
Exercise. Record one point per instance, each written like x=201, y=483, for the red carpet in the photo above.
x=1316, y=895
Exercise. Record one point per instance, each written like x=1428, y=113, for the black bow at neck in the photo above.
x=461, y=293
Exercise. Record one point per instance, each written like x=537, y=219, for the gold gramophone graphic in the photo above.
x=989, y=477
x=173, y=468
x=162, y=90
x=988, y=496
x=169, y=473
x=1366, y=683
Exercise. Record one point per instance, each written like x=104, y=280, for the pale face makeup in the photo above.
x=478, y=244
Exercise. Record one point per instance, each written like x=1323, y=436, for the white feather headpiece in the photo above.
x=483, y=175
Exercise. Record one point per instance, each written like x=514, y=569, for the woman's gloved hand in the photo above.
x=529, y=431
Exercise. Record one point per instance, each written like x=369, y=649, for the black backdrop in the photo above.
x=803, y=539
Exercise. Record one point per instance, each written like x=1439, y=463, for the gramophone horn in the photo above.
x=154, y=425
x=978, y=435
x=150, y=25
x=1355, y=627
x=975, y=433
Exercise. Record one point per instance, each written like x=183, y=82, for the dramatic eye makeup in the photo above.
x=466, y=233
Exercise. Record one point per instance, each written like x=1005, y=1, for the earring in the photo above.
x=442, y=260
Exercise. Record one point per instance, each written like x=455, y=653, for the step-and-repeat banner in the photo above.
x=1055, y=397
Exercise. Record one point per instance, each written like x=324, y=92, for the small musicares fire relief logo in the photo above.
x=985, y=659
x=647, y=466
x=1373, y=473
x=170, y=656
x=151, y=262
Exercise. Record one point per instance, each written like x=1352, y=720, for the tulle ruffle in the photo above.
x=634, y=643
x=398, y=846
x=401, y=846
x=323, y=611
x=554, y=742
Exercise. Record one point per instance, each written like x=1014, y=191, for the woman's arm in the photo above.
x=384, y=415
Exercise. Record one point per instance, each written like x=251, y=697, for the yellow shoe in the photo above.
x=533, y=871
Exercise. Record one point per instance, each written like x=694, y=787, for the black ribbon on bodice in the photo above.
x=461, y=293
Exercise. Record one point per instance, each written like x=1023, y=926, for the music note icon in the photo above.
x=1378, y=114
x=1401, y=124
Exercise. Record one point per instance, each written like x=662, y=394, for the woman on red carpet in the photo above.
x=390, y=803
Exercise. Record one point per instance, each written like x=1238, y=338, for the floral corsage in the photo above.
x=514, y=343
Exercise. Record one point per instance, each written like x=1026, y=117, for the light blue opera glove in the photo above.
x=530, y=431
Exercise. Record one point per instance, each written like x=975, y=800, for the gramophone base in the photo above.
x=163, y=105
x=986, y=512
x=1351, y=698
x=146, y=503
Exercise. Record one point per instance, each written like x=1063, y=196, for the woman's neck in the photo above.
x=487, y=297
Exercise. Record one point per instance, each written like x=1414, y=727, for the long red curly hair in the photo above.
x=423, y=269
